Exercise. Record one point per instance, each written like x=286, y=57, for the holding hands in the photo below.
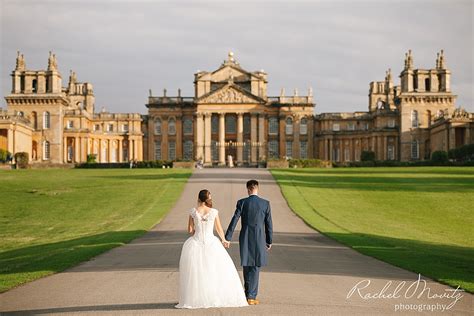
x=226, y=243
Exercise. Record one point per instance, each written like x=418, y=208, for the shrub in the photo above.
x=439, y=156
x=5, y=156
x=21, y=160
x=91, y=158
x=306, y=163
x=367, y=156
x=139, y=164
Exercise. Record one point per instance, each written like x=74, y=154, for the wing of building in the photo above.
x=231, y=116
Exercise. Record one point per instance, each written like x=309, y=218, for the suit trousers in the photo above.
x=251, y=274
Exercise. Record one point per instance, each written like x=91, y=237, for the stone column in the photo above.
x=240, y=138
x=77, y=150
x=207, y=138
x=150, y=140
x=310, y=133
x=135, y=149
x=296, y=137
x=64, y=150
x=253, y=137
x=221, y=139
x=199, y=136
x=331, y=150
x=120, y=151
x=282, y=146
x=261, y=137
x=384, y=150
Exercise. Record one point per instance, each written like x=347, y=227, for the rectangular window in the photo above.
x=246, y=124
x=414, y=150
x=158, y=150
x=273, y=151
x=188, y=150
x=96, y=127
x=335, y=154
x=110, y=128
x=289, y=149
x=125, y=127
x=304, y=150
x=214, y=150
x=350, y=126
x=391, y=123
x=347, y=154
x=366, y=126
x=187, y=126
x=46, y=150
x=273, y=125
x=335, y=127
x=391, y=152
x=70, y=124
x=172, y=151
x=214, y=124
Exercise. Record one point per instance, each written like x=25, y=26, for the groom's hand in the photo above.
x=269, y=247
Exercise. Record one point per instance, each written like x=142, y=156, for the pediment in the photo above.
x=230, y=94
x=226, y=72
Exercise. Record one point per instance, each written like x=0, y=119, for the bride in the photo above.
x=207, y=274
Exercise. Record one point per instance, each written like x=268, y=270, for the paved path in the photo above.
x=308, y=273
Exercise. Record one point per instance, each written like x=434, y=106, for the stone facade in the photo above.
x=56, y=124
x=231, y=114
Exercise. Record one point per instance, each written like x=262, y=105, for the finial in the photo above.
x=442, y=63
x=164, y=92
x=150, y=93
x=179, y=92
x=231, y=57
x=295, y=92
x=310, y=92
x=282, y=92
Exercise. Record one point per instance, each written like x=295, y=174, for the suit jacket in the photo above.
x=256, y=230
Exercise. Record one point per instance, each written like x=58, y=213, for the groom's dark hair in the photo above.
x=252, y=184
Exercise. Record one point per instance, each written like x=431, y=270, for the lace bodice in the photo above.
x=203, y=224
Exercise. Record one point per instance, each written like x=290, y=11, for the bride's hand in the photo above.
x=226, y=243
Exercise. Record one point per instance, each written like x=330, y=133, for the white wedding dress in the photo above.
x=207, y=274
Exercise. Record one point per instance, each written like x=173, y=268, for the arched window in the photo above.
x=157, y=126
x=46, y=120
x=171, y=126
x=46, y=150
x=187, y=126
x=414, y=118
x=273, y=125
x=304, y=126
x=289, y=126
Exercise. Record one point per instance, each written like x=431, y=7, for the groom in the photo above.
x=255, y=237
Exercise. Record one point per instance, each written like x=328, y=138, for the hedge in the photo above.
x=139, y=164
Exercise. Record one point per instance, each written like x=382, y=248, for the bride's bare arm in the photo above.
x=191, y=225
x=220, y=231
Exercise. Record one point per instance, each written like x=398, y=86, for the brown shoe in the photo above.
x=253, y=301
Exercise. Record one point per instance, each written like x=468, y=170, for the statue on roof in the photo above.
x=52, y=63
x=20, y=61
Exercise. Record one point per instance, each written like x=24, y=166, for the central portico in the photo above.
x=230, y=114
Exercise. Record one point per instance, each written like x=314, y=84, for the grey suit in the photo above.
x=255, y=236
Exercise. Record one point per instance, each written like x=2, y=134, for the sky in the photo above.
x=125, y=48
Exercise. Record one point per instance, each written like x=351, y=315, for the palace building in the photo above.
x=56, y=124
x=231, y=114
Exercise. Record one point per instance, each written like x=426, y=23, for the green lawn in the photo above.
x=419, y=219
x=53, y=219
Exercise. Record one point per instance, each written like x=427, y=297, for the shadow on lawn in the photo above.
x=131, y=176
x=381, y=170
x=301, y=253
x=431, y=184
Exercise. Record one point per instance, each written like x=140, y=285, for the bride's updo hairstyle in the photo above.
x=204, y=197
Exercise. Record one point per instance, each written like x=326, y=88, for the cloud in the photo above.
x=337, y=47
